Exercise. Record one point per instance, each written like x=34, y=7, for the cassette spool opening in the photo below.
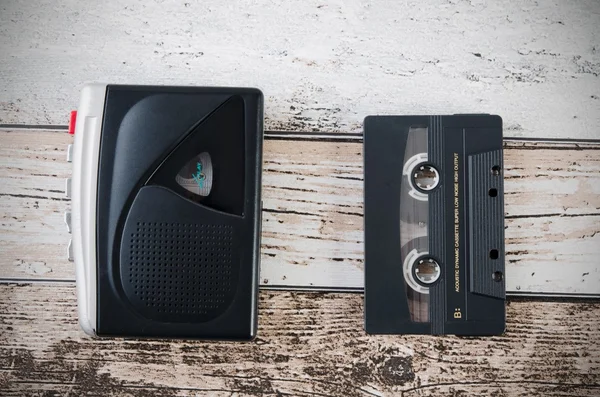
x=425, y=177
x=421, y=271
x=426, y=270
x=421, y=175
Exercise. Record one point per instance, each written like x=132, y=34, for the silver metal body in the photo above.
x=84, y=183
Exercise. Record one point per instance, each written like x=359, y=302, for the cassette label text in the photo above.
x=456, y=226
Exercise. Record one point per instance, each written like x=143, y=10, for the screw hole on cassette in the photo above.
x=493, y=192
x=496, y=170
x=425, y=177
x=494, y=254
x=497, y=276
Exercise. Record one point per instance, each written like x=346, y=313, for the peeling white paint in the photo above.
x=323, y=65
x=32, y=268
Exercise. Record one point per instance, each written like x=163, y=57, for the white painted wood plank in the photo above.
x=312, y=219
x=323, y=65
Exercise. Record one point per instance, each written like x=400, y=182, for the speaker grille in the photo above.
x=182, y=269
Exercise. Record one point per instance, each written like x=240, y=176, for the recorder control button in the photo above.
x=68, y=221
x=70, y=153
x=70, y=250
x=68, y=187
x=72, y=122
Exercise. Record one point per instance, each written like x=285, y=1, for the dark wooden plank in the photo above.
x=308, y=344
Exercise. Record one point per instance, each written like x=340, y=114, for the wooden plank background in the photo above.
x=323, y=66
x=309, y=344
x=313, y=212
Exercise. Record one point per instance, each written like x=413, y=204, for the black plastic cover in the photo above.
x=172, y=263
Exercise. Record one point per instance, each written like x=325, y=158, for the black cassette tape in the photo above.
x=434, y=225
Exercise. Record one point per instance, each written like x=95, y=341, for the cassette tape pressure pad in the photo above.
x=434, y=225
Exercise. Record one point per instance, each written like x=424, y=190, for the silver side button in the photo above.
x=68, y=221
x=68, y=187
x=70, y=250
x=70, y=153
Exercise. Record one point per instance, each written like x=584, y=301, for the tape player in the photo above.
x=166, y=210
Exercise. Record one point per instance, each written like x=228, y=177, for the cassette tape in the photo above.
x=434, y=225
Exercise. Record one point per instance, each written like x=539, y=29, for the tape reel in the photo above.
x=409, y=171
x=421, y=176
x=420, y=271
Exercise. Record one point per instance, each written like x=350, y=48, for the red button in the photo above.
x=72, y=121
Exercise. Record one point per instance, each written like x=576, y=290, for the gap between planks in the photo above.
x=291, y=134
x=312, y=226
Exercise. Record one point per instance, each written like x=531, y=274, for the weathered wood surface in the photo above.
x=312, y=221
x=308, y=344
x=323, y=65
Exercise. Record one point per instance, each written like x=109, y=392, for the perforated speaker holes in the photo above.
x=180, y=268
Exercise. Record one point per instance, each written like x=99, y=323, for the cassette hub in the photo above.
x=425, y=177
x=426, y=270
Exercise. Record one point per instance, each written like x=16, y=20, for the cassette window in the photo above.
x=419, y=269
x=197, y=176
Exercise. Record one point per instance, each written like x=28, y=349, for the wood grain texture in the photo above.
x=323, y=65
x=308, y=344
x=312, y=219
